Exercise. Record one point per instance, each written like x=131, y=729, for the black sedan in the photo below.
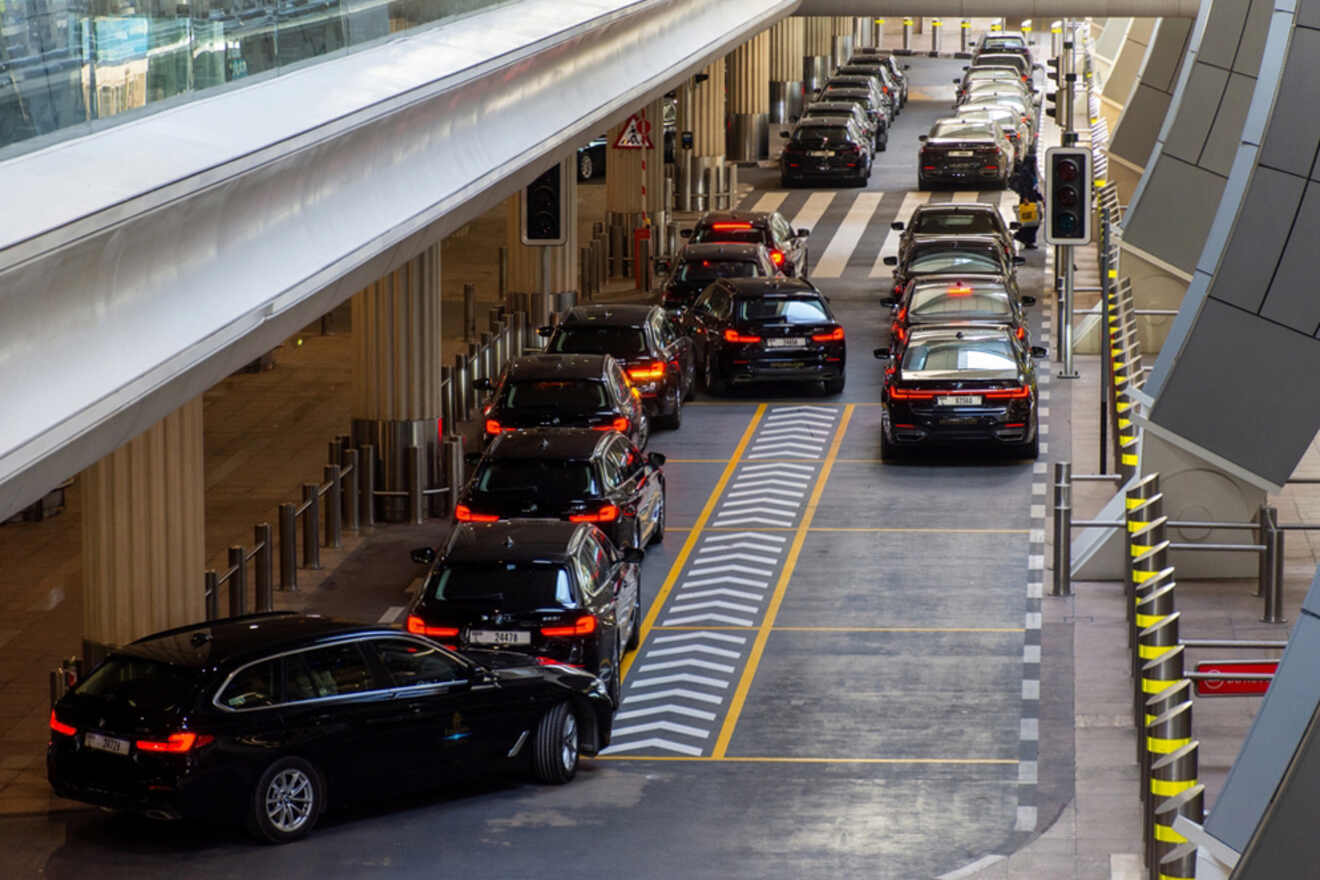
x=787, y=246
x=270, y=718
x=558, y=591
x=873, y=104
x=957, y=386
x=566, y=391
x=958, y=299
x=952, y=255
x=832, y=109
x=955, y=218
x=697, y=265
x=829, y=149
x=774, y=330
x=956, y=151
x=573, y=474
x=657, y=358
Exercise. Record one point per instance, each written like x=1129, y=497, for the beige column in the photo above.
x=841, y=46
x=818, y=37
x=528, y=263
x=749, y=100
x=635, y=178
x=787, y=49
x=143, y=542
x=863, y=33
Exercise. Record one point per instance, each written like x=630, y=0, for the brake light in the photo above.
x=900, y=334
x=959, y=291
x=835, y=335
x=902, y=314
x=463, y=513
x=176, y=743
x=1021, y=333
x=493, y=427
x=418, y=627
x=60, y=727
x=1019, y=393
x=620, y=424
x=724, y=226
x=551, y=661
x=583, y=626
x=777, y=257
x=731, y=335
x=608, y=513
x=896, y=393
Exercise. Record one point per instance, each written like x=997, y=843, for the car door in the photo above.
x=792, y=245
x=677, y=351
x=634, y=498
x=608, y=597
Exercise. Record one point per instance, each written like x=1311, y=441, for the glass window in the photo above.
x=412, y=663
x=961, y=129
x=597, y=560
x=795, y=310
x=327, y=672
x=516, y=587
x=780, y=226
x=541, y=477
x=147, y=684
x=622, y=388
x=961, y=303
x=605, y=339
x=946, y=222
x=821, y=136
x=620, y=457
x=737, y=236
x=959, y=262
x=985, y=355
x=709, y=270
x=570, y=395
x=252, y=687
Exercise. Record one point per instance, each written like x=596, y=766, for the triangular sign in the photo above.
x=635, y=135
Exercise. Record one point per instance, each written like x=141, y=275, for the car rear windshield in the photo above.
x=794, y=310
x=709, y=270
x=551, y=478
x=941, y=223
x=1003, y=44
x=573, y=395
x=960, y=129
x=737, y=236
x=951, y=262
x=146, y=685
x=821, y=136
x=619, y=341
x=511, y=587
x=959, y=302
x=959, y=355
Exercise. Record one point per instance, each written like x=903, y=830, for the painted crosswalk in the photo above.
x=835, y=258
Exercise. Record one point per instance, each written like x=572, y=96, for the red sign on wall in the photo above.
x=1235, y=687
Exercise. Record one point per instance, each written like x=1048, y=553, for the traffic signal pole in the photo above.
x=1068, y=73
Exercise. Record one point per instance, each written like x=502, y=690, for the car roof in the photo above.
x=955, y=208
x=520, y=540
x=612, y=315
x=748, y=288
x=550, y=443
x=825, y=122
x=218, y=642
x=707, y=250
x=756, y=218
x=973, y=281
x=847, y=106
x=558, y=366
x=967, y=332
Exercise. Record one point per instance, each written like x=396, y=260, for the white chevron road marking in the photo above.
x=783, y=505
x=683, y=677
x=835, y=259
x=744, y=545
x=666, y=726
x=787, y=493
x=666, y=709
x=679, y=693
x=708, y=619
x=749, y=520
x=725, y=579
x=654, y=742
x=793, y=453
x=890, y=246
x=770, y=201
x=720, y=556
x=722, y=591
x=745, y=569
x=691, y=661
x=693, y=649
x=803, y=408
x=755, y=536
x=785, y=467
x=813, y=210
x=782, y=479
x=688, y=637
x=681, y=607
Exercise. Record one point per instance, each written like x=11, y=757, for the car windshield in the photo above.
x=566, y=394
x=959, y=129
x=953, y=262
x=146, y=685
x=709, y=270
x=955, y=301
x=828, y=112
x=821, y=136
x=793, y=310
x=986, y=355
x=949, y=223
x=736, y=233
x=509, y=586
x=552, y=478
x=1003, y=44
x=623, y=342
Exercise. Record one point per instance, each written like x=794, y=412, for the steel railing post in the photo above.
x=352, y=482
x=454, y=461
x=367, y=492
x=333, y=506
x=415, y=497
x=212, y=594
x=1062, y=529
x=263, y=566
x=288, y=546
x=237, y=581
x=311, y=526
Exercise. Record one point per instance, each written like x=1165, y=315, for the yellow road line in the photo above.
x=849, y=629
x=736, y=759
x=649, y=622
x=696, y=461
x=785, y=574
x=877, y=529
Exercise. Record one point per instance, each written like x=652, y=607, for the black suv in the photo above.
x=788, y=248
x=558, y=591
x=656, y=357
x=697, y=265
x=575, y=474
x=565, y=391
x=269, y=717
x=833, y=148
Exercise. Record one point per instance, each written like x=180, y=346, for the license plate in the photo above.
x=821, y=153
x=959, y=400
x=786, y=342
x=101, y=742
x=961, y=154
x=499, y=637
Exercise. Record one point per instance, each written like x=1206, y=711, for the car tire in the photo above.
x=286, y=802
x=922, y=183
x=889, y=450
x=835, y=386
x=672, y=420
x=615, y=687
x=1032, y=450
x=585, y=166
x=556, y=746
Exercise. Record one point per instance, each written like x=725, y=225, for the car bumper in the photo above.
x=805, y=368
x=180, y=795
x=920, y=428
x=833, y=172
x=954, y=175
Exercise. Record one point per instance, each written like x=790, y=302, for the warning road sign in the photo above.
x=635, y=135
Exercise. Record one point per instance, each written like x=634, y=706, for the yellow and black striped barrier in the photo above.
x=1173, y=792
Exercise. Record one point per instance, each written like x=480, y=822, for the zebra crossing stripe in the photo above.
x=813, y=210
x=835, y=259
x=770, y=201
x=890, y=246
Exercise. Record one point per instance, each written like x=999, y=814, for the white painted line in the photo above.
x=726, y=579
x=1044, y=395
x=719, y=556
x=681, y=607
x=748, y=520
x=1035, y=563
x=967, y=196
x=835, y=258
x=694, y=649
x=1007, y=202
x=890, y=246
x=770, y=202
x=793, y=454
x=813, y=210
x=1033, y=620
x=1126, y=866
x=1030, y=689
x=787, y=493
x=666, y=708
x=683, y=693
x=684, y=677
x=687, y=637
x=691, y=661
x=758, y=536
x=1044, y=447
x=1043, y=429
x=667, y=726
x=1044, y=411
x=654, y=743
x=1036, y=536
x=805, y=408
x=973, y=868
x=1027, y=772
x=786, y=467
x=1038, y=511
x=723, y=591
x=783, y=479
x=1030, y=653
x=391, y=614
x=414, y=586
x=784, y=505
x=1037, y=488
x=1026, y=819
x=1039, y=467
x=1030, y=730
x=1035, y=591
x=709, y=620
x=745, y=569
x=775, y=444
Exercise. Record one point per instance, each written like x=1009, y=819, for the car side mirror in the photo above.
x=634, y=555
x=881, y=354
x=891, y=261
x=794, y=118
x=889, y=301
x=923, y=138
x=967, y=67
x=803, y=233
x=1018, y=261
x=545, y=332
x=423, y=555
x=1014, y=225
x=685, y=233
x=655, y=459
x=1028, y=300
x=907, y=66
x=957, y=81
x=897, y=225
x=784, y=134
x=472, y=459
x=484, y=384
x=1039, y=352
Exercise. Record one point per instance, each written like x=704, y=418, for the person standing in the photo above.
x=1030, y=206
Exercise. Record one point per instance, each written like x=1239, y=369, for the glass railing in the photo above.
x=64, y=67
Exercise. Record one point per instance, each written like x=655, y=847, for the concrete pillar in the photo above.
x=143, y=538
x=701, y=111
x=635, y=179
x=841, y=45
x=749, y=100
x=527, y=263
x=787, y=49
x=862, y=33
x=396, y=372
x=818, y=37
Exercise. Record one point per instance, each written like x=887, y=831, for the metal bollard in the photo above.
x=907, y=34
x=263, y=567
x=212, y=594
x=454, y=463
x=1269, y=582
x=311, y=523
x=460, y=379
x=1153, y=643
x=1062, y=529
x=617, y=239
x=503, y=283
x=352, y=480
x=964, y=37
x=935, y=27
x=1156, y=675
x=416, y=474
x=237, y=581
x=643, y=264
x=1173, y=792
x=288, y=546
x=469, y=312
x=1181, y=860
x=485, y=354
x=731, y=184
x=367, y=493
x=333, y=507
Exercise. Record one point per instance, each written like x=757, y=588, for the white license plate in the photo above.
x=499, y=637
x=961, y=154
x=786, y=342
x=959, y=400
x=824, y=153
x=104, y=743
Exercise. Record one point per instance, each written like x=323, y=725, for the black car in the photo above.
x=958, y=299
x=878, y=69
x=870, y=54
x=957, y=151
x=832, y=109
x=270, y=718
x=573, y=474
x=657, y=358
x=565, y=391
x=773, y=330
x=954, y=218
x=874, y=84
x=788, y=248
x=557, y=591
x=832, y=149
x=960, y=385
x=953, y=255
x=697, y=265
x=875, y=109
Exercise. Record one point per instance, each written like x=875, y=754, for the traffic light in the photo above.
x=1068, y=195
x=543, y=209
x=1054, y=98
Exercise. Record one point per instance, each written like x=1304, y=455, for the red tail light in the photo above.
x=723, y=226
x=463, y=513
x=1020, y=393
x=177, y=743
x=60, y=727
x=608, y=513
x=900, y=334
x=896, y=393
x=583, y=626
x=1021, y=333
x=959, y=290
x=621, y=424
x=649, y=371
x=731, y=335
x=551, y=661
x=418, y=627
x=835, y=335
x=777, y=257
x=902, y=314
x=493, y=427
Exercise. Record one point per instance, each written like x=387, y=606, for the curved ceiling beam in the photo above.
x=1042, y=9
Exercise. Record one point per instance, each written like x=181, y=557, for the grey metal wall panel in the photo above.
x=1285, y=844
x=1177, y=209
x=1252, y=44
x=1266, y=216
x=1292, y=296
x=1196, y=113
x=1308, y=13
x=1223, y=32
x=1167, y=52
x=1111, y=37
x=1291, y=138
x=1222, y=142
x=1134, y=137
x=1123, y=75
